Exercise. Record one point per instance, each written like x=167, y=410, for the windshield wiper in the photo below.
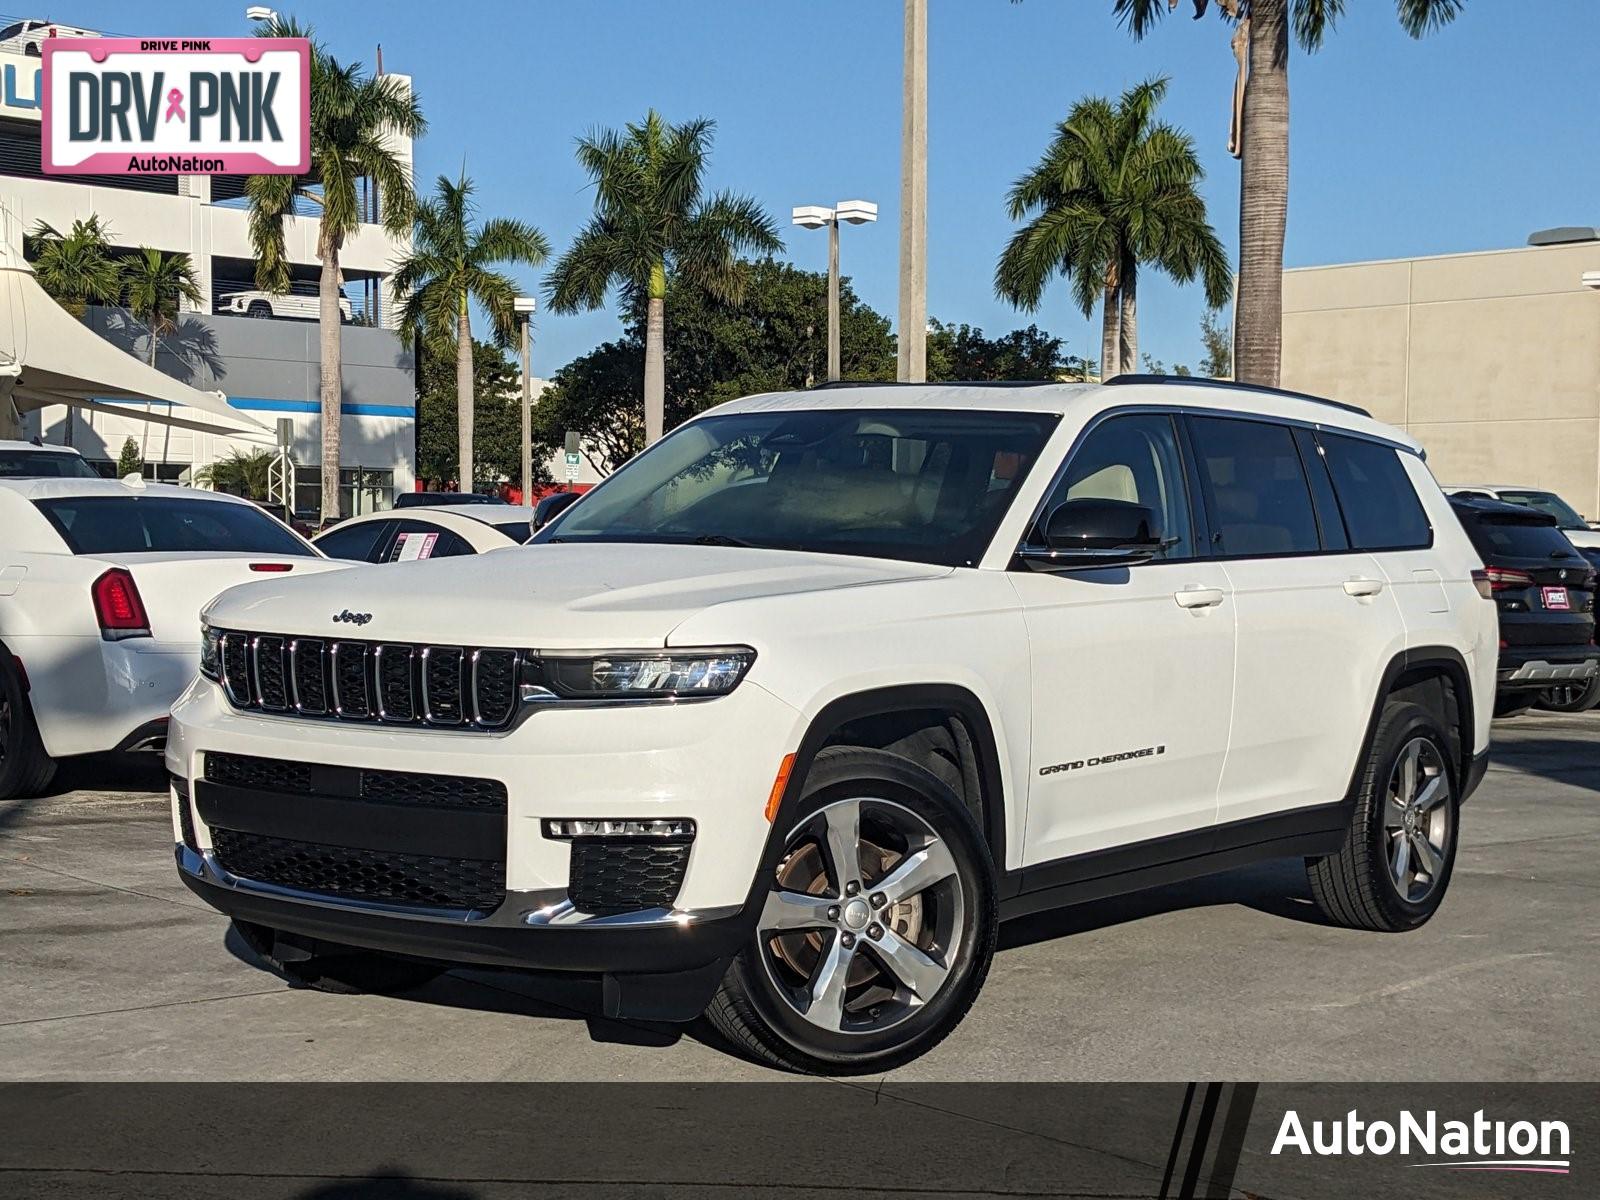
x=722, y=539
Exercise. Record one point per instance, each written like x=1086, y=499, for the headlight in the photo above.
x=663, y=675
x=210, y=652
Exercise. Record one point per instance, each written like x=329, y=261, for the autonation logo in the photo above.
x=1476, y=1145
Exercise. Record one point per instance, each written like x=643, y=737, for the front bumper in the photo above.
x=711, y=762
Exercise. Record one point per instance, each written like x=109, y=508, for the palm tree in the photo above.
x=1115, y=190
x=451, y=265
x=239, y=474
x=353, y=116
x=75, y=268
x=652, y=225
x=152, y=285
x=1263, y=146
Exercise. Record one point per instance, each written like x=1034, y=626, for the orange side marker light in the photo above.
x=779, y=785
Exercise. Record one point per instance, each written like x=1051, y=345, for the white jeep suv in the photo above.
x=793, y=709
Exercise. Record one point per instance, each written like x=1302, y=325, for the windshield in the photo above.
x=43, y=464
x=137, y=524
x=1547, y=502
x=927, y=486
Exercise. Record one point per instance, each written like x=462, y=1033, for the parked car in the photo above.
x=27, y=36
x=300, y=302
x=101, y=582
x=413, y=533
x=789, y=712
x=552, y=506
x=29, y=460
x=1544, y=591
x=437, y=499
x=1580, y=532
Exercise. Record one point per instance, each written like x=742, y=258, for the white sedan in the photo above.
x=101, y=586
x=423, y=531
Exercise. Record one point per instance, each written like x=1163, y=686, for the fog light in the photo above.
x=669, y=829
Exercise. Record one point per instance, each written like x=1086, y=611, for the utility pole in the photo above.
x=913, y=325
x=815, y=216
x=524, y=306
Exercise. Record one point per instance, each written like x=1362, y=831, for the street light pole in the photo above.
x=913, y=326
x=816, y=216
x=524, y=307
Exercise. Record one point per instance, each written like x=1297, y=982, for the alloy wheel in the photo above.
x=1418, y=820
x=864, y=918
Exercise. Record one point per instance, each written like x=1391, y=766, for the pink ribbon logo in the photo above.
x=175, y=106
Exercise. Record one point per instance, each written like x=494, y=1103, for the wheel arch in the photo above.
x=1437, y=677
x=891, y=718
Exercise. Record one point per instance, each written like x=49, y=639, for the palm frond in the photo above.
x=1418, y=17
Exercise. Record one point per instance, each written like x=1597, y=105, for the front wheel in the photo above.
x=877, y=924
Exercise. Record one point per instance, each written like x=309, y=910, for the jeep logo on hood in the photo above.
x=350, y=618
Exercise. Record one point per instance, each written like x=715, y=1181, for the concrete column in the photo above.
x=913, y=324
x=833, y=300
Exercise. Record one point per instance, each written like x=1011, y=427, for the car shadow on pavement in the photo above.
x=1276, y=888
x=546, y=995
x=119, y=773
x=1571, y=758
x=385, y=1184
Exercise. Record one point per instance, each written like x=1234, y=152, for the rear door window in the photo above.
x=363, y=542
x=167, y=524
x=1255, y=488
x=1381, y=508
x=422, y=539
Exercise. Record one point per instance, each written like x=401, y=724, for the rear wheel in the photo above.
x=1393, y=869
x=25, y=768
x=877, y=924
x=1571, y=697
x=327, y=967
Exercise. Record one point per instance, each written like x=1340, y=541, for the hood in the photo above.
x=1584, y=539
x=614, y=595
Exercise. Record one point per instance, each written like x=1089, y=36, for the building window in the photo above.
x=361, y=490
x=156, y=472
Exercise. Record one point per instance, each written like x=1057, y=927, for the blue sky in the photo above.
x=1468, y=139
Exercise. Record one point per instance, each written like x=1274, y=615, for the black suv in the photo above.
x=1545, y=591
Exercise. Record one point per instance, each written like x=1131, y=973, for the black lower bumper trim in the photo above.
x=1476, y=770
x=663, y=949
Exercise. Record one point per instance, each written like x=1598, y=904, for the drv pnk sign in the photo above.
x=170, y=106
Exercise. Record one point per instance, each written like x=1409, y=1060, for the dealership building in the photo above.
x=1490, y=359
x=260, y=351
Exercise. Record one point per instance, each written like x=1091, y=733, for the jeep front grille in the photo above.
x=395, y=683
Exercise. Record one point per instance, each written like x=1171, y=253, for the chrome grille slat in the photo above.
x=398, y=683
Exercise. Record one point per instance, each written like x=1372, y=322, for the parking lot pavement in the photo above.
x=110, y=969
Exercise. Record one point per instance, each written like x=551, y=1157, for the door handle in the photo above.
x=1363, y=587
x=1198, y=597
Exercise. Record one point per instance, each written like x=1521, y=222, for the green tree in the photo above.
x=1262, y=39
x=962, y=352
x=153, y=284
x=1114, y=191
x=353, y=116
x=239, y=474
x=496, y=404
x=654, y=225
x=129, y=461
x=76, y=268
x=595, y=396
x=1154, y=366
x=775, y=340
x=452, y=264
x=1217, y=339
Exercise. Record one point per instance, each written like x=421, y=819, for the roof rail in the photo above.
x=978, y=383
x=1228, y=384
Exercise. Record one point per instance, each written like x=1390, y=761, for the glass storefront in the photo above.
x=361, y=490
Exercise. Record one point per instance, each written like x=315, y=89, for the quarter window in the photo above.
x=1256, y=490
x=1381, y=509
x=1134, y=458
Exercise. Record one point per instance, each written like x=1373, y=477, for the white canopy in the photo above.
x=49, y=357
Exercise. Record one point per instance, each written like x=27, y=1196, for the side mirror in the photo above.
x=552, y=506
x=1096, y=533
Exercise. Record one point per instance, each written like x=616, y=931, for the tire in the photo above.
x=328, y=967
x=1514, y=704
x=259, y=308
x=941, y=930
x=25, y=768
x=1571, y=698
x=1372, y=882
